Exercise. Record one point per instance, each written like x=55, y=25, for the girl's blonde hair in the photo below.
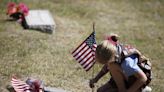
x=105, y=52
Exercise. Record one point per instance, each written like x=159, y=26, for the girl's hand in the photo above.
x=92, y=82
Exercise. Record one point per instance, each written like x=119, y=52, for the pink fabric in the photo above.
x=109, y=38
x=11, y=8
x=11, y=5
x=23, y=9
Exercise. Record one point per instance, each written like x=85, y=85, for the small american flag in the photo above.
x=19, y=86
x=85, y=52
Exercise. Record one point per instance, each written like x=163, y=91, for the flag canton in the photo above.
x=91, y=40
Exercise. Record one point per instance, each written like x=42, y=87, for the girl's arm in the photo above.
x=103, y=71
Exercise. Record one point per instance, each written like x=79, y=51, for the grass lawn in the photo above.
x=29, y=53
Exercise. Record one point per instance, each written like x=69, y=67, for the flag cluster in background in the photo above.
x=19, y=86
x=85, y=52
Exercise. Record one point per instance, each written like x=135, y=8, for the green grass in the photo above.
x=29, y=53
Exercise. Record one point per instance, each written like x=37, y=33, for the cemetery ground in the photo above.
x=30, y=53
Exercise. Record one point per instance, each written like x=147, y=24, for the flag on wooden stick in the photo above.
x=85, y=52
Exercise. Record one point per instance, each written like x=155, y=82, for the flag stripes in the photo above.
x=19, y=86
x=85, y=52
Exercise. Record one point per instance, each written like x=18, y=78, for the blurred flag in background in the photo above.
x=19, y=86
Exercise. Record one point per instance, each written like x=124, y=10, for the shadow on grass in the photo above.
x=26, y=27
x=7, y=20
x=10, y=88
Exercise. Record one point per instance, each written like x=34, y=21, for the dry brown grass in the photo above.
x=28, y=53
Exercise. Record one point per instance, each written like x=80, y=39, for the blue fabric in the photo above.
x=129, y=65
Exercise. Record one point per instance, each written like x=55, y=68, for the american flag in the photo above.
x=19, y=86
x=85, y=52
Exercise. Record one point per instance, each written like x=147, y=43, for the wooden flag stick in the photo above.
x=93, y=65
